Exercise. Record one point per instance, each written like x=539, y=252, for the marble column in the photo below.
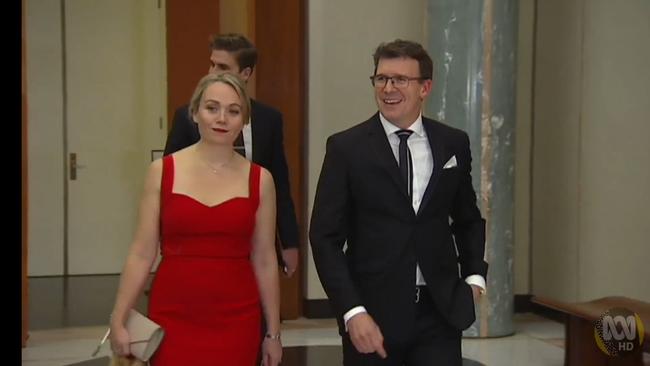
x=473, y=46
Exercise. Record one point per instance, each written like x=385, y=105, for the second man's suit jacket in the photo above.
x=268, y=151
x=361, y=199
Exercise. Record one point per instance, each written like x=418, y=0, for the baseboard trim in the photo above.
x=317, y=309
x=524, y=304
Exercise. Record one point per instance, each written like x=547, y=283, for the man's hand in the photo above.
x=365, y=335
x=290, y=258
x=476, y=292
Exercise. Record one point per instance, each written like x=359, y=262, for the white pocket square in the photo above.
x=450, y=163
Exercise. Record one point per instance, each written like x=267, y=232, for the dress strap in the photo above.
x=167, y=176
x=254, y=184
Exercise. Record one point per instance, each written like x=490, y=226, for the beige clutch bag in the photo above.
x=145, y=336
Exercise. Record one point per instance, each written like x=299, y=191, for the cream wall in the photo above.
x=591, y=152
x=523, y=127
x=342, y=37
x=45, y=131
x=555, y=149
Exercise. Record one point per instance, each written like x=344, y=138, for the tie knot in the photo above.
x=403, y=134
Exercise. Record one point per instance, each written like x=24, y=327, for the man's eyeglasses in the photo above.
x=399, y=81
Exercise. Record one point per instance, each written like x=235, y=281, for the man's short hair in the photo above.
x=402, y=48
x=242, y=49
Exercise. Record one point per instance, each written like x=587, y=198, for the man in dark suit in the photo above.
x=397, y=190
x=261, y=140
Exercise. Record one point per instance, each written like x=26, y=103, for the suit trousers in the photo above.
x=433, y=342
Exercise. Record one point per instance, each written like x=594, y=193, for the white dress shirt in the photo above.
x=422, y=159
x=248, y=140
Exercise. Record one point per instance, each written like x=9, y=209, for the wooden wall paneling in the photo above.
x=237, y=16
x=189, y=26
x=280, y=38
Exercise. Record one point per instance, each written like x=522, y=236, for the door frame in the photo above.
x=24, y=184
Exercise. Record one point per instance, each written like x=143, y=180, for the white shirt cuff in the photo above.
x=477, y=280
x=352, y=312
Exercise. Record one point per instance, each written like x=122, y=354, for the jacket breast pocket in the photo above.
x=450, y=172
x=448, y=182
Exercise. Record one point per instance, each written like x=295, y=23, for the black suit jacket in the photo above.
x=362, y=199
x=268, y=151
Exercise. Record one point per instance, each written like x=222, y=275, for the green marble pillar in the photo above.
x=473, y=45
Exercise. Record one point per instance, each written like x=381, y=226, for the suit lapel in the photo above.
x=195, y=126
x=255, y=131
x=437, y=149
x=381, y=146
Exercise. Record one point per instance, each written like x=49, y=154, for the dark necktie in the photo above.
x=405, y=161
x=239, y=144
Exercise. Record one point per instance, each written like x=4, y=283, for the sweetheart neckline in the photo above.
x=206, y=205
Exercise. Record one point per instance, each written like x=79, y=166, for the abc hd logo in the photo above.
x=619, y=332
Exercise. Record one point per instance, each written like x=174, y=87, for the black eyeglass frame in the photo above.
x=393, y=79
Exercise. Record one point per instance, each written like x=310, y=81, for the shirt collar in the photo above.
x=417, y=127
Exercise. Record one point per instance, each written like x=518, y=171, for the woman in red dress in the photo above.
x=213, y=214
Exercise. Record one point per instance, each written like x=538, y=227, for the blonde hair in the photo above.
x=232, y=80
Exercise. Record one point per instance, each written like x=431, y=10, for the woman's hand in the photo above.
x=120, y=340
x=271, y=352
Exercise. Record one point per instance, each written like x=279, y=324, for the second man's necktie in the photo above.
x=405, y=160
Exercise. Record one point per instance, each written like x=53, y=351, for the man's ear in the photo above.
x=427, y=85
x=246, y=73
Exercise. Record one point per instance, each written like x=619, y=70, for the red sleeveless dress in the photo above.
x=204, y=293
